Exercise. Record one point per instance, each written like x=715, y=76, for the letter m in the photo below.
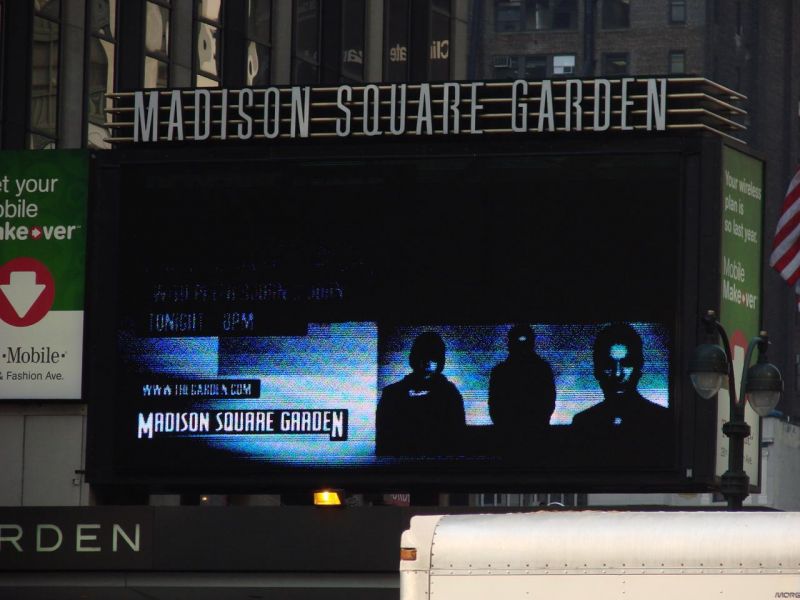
x=145, y=120
x=145, y=426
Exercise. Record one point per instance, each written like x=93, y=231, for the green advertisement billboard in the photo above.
x=740, y=281
x=43, y=198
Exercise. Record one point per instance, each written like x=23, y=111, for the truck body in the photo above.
x=602, y=555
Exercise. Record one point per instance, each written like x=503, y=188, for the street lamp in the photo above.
x=762, y=385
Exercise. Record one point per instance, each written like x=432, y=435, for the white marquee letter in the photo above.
x=606, y=111
x=147, y=124
x=343, y=124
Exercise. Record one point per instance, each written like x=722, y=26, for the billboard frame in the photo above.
x=692, y=469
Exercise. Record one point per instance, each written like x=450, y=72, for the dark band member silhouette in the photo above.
x=423, y=413
x=618, y=362
x=522, y=392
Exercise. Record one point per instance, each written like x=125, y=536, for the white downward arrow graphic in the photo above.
x=22, y=291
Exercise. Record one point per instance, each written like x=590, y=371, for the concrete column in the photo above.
x=281, y=42
x=373, y=44
x=460, y=39
x=71, y=103
x=181, y=31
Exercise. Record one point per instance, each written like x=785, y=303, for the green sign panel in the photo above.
x=43, y=197
x=740, y=275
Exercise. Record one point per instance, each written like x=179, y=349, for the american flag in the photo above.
x=785, y=257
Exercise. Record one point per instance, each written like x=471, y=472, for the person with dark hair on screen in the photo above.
x=423, y=413
x=522, y=390
x=618, y=360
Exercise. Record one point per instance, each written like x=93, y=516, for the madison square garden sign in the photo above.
x=459, y=293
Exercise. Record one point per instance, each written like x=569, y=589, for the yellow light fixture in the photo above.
x=327, y=498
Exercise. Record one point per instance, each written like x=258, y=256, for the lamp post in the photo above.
x=762, y=386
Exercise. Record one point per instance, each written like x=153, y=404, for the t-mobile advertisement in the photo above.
x=391, y=317
x=43, y=197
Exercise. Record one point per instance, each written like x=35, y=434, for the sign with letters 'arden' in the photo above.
x=42, y=263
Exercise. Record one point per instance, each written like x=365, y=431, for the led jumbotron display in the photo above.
x=311, y=400
x=394, y=316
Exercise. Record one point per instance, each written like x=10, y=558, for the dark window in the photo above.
x=156, y=44
x=506, y=67
x=100, y=78
x=259, y=41
x=565, y=14
x=535, y=67
x=615, y=63
x=550, y=14
x=508, y=16
x=532, y=67
x=439, y=43
x=677, y=62
x=353, y=33
x=208, y=43
x=306, y=40
x=396, y=44
x=335, y=56
x=536, y=15
x=616, y=14
x=677, y=11
x=49, y=9
x=417, y=43
x=43, y=125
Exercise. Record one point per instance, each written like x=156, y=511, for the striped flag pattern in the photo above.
x=785, y=257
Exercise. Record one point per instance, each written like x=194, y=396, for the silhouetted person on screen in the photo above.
x=423, y=413
x=618, y=361
x=522, y=391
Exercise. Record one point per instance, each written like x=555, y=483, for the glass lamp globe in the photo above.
x=763, y=387
x=708, y=369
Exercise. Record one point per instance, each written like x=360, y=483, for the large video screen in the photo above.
x=376, y=320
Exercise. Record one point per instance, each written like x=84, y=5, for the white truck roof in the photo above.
x=591, y=541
